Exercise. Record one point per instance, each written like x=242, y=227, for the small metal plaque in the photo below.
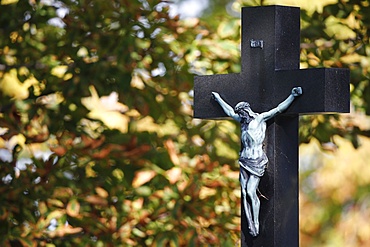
x=255, y=43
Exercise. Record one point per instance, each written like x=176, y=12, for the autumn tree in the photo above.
x=98, y=146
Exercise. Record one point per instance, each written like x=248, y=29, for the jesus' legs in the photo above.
x=252, y=186
x=247, y=208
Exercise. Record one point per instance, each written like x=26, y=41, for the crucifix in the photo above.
x=270, y=72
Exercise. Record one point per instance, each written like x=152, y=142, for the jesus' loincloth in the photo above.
x=254, y=166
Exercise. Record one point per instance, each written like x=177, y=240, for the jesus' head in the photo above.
x=244, y=110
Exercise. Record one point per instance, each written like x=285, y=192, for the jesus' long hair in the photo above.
x=245, y=112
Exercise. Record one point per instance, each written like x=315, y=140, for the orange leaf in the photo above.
x=170, y=146
x=97, y=200
x=142, y=177
x=174, y=174
x=59, y=150
x=65, y=230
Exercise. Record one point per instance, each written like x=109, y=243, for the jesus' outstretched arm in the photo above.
x=297, y=91
x=225, y=106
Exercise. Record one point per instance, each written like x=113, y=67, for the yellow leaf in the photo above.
x=12, y=87
x=142, y=177
x=147, y=124
x=336, y=28
x=15, y=140
x=6, y=2
x=104, y=103
x=101, y=192
x=73, y=208
x=112, y=119
x=43, y=208
x=138, y=204
x=310, y=6
x=90, y=173
x=62, y=192
x=190, y=22
x=351, y=58
x=118, y=173
x=59, y=71
x=107, y=109
x=55, y=202
x=82, y=52
x=137, y=82
x=56, y=214
x=226, y=29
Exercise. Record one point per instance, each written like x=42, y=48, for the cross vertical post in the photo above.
x=270, y=68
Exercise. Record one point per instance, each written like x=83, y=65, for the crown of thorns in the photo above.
x=242, y=105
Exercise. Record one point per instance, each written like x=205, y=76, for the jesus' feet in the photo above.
x=252, y=229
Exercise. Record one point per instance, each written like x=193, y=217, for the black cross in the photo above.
x=270, y=69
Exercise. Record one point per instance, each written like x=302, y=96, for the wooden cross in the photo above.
x=270, y=69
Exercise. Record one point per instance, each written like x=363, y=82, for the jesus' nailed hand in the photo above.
x=252, y=158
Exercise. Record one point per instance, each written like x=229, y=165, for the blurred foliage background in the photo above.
x=98, y=146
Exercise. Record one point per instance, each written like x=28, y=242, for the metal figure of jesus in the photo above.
x=253, y=159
